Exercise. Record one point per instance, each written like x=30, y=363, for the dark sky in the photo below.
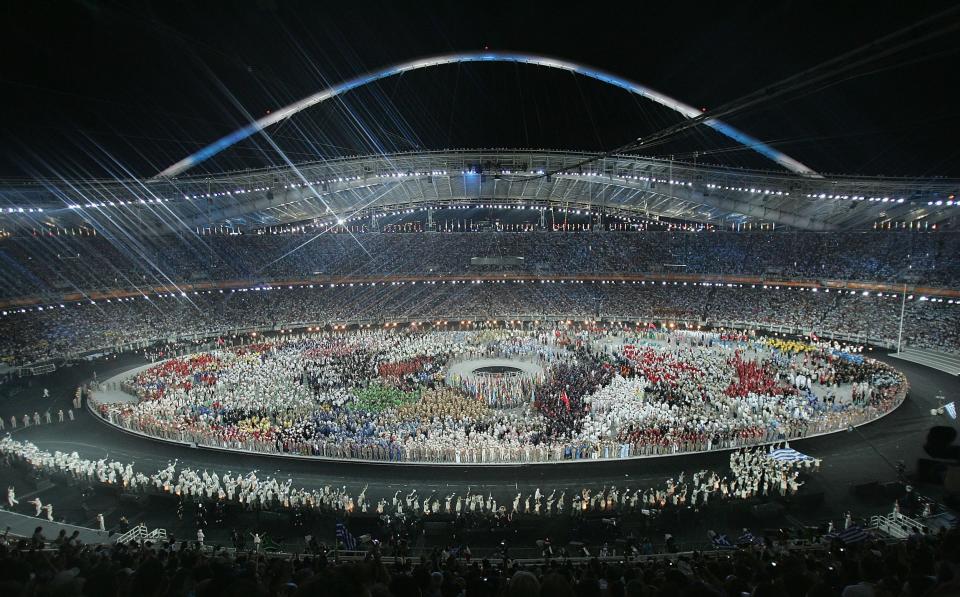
x=97, y=88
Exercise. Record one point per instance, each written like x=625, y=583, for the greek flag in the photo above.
x=854, y=534
x=344, y=536
x=951, y=409
x=788, y=455
x=722, y=542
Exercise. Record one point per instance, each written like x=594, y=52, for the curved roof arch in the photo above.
x=682, y=108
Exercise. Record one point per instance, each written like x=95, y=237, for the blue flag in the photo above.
x=345, y=537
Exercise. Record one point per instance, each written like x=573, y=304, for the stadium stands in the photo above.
x=76, y=328
x=53, y=269
x=47, y=266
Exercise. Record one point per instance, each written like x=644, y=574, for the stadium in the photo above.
x=638, y=368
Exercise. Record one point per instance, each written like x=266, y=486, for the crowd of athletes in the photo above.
x=768, y=566
x=752, y=473
x=383, y=395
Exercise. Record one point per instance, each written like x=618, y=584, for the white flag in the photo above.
x=951, y=410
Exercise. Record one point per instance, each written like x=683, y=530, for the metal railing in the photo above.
x=523, y=555
x=140, y=533
x=896, y=525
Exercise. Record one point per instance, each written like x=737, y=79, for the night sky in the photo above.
x=99, y=89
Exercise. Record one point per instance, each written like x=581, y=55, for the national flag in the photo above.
x=788, y=455
x=345, y=537
x=565, y=399
x=853, y=534
x=722, y=542
x=748, y=538
x=951, y=409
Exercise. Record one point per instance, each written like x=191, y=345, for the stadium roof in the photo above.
x=357, y=187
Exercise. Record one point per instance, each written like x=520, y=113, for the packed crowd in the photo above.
x=137, y=323
x=66, y=263
x=914, y=567
x=382, y=395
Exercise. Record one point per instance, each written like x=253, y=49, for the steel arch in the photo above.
x=544, y=61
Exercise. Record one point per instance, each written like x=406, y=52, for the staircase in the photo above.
x=896, y=525
x=140, y=534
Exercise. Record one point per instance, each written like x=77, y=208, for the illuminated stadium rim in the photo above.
x=532, y=59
